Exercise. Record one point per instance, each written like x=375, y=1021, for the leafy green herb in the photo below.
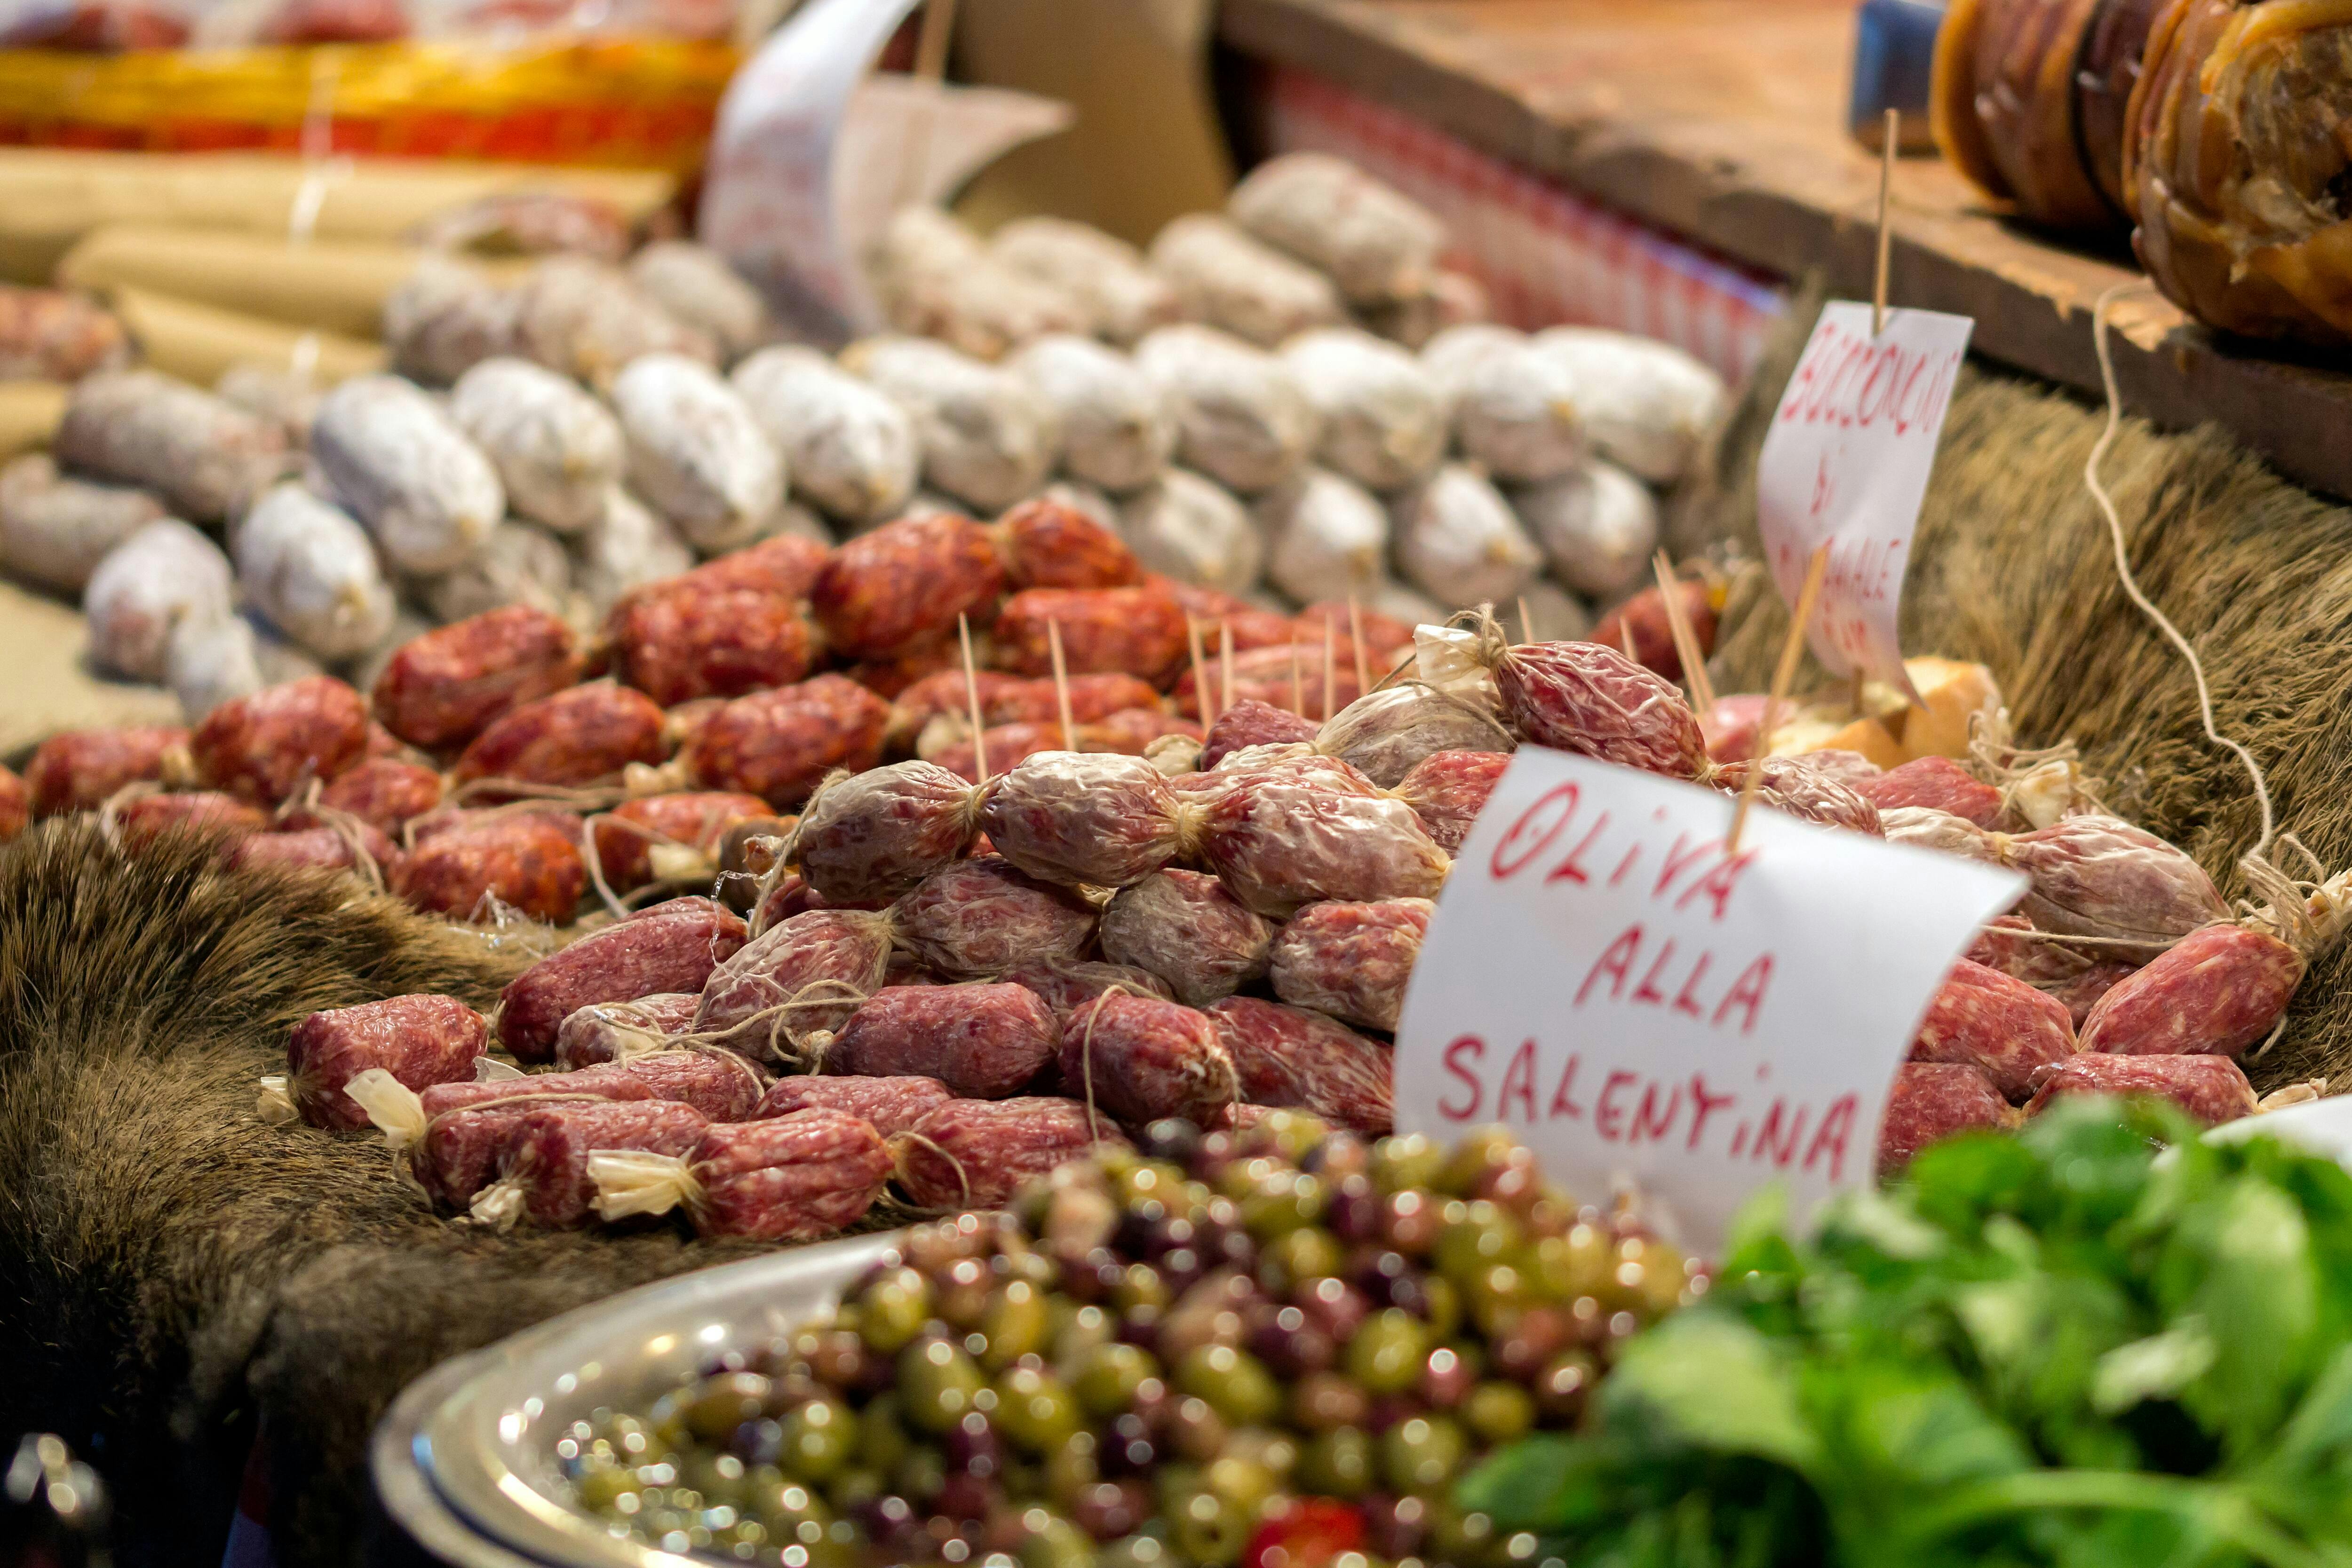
x=2100, y=1342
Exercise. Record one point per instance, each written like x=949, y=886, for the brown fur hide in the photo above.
x=174, y=1268
x=2012, y=565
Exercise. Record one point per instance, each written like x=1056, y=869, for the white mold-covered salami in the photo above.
x=399, y=463
x=1374, y=241
x=445, y=320
x=850, y=451
x=695, y=286
x=1517, y=412
x=1402, y=601
x=208, y=663
x=1115, y=431
x=1383, y=424
x=1451, y=299
x=1459, y=538
x=521, y=564
x=695, y=452
x=1554, y=614
x=1184, y=526
x=312, y=572
x=54, y=530
x=1240, y=416
x=1646, y=404
x=1454, y=353
x=934, y=279
x=1598, y=524
x=206, y=457
x=287, y=399
x=165, y=573
x=1226, y=278
x=589, y=320
x=627, y=547
x=1326, y=538
x=1105, y=276
x=987, y=441
x=557, y=449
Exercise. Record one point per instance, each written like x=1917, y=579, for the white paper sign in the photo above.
x=1846, y=463
x=810, y=157
x=1635, y=1004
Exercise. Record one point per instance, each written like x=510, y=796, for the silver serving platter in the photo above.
x=465, y=1459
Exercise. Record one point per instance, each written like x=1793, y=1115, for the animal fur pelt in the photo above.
x=2012, y=565
x=175, y=1270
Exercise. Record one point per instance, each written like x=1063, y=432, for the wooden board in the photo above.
x=1724, y=120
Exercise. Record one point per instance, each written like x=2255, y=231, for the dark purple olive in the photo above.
x=1533, y=1338
x=1190, y=1429
x=1355, y=1212
x=967, y=1499
x=1445, y=1379
x=1336, y=1307
x=971, y=1448
x=892, y=1524
x=1109, y=1509
x=1394, y=1527
x=1387, y=1409
x=758, y=1442
x=1290, y=1344
x=1172, y=1138
x=1128, y=1448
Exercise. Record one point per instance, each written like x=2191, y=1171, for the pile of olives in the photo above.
x=1278, y=1347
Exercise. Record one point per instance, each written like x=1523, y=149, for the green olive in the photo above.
x=717, y=1476
x=1235, y=1383
x=1290, y=1134
x=882, y=1439
x=1411, y=1160
x=1139, y=1285
x=1137, y=1552
x=1386, y=1355
x=1309, y=1252
x=1443, y=1310
x=920, y=1475
x=1276, y=1450
x=1456, y=1536
x=1498, y=1412
x=1483, y=1150
x=1207, y=1528
x=893, y=1311
x=1109, y=1375
x=1051, y=1541
x=1284, y=1204
x=784, y=1506
x=601, y=1488
x=937, y=1382
x=1071, y=1469
x=1017, y=1322
x=820, y=1434
x=1077, y=1338
x=1485, y=1235
x=1035, y=1410
x=852, y=1488
x=1420, y=1453
x=1338, y=1463
x=1495, y=1296
x=724, y=1403
x=1245, y=1483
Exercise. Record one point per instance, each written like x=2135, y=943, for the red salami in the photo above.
x=2100, y=877
x=1185, y=928
x=1350, y=960
x=2001, y=1026
x=1046, y=543
x=679, y=646
x=1932, y=1101
x=2213, y=1089
x=976, y=1154
x=420, y=1039
x=721, y=1085
x=793, y=1178
x=543, y=1168
x=1068, y=984
x=1937, y=781
x=612, y=1031
x=877, y=834
x=1447, y=790
x=903, y=584
x=673, y=946
x=1139, y=1058
x=891, y=1105
x=80, y=770
x=668, y=838
x=1249, y=722
x=1794, y=787
x=1292, y=834
x=1137, y=632
x=983, y=916
x=261, y=748
x=384, y=792
x=2217, y=991
x=1091, y=820
x=1290, y=1057
x=983, y=1041
x=445, y=687
x=529, y=862
x=779, y=745
x=583, y=735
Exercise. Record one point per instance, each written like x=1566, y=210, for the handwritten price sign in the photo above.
x=1846, y=463
x=1637, y=1003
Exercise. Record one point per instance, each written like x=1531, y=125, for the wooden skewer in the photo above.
x=1061, y=685
x=1297, y=692
x=972, y=695
x=1329, y=648
x=1702, y=688
x=1200, y=698
x=1626, y=637
x=1885, y=234
x=1783, y=674
x=1356, y=636
x=1527, y=621
x=1224, y=666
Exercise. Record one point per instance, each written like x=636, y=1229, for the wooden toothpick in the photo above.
x=1356, y=636
x=1297, y=691
x=1061, y=685
x=1885, y=234
x=1702, y=688
x=1225, y=666
x=972, y=695
x=1329, y=648
x=1783, y=674
x=1200, y=698
x=1527, y=621
x=1625, y=636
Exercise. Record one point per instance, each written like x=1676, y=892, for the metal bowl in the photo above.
x=465, y=1459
